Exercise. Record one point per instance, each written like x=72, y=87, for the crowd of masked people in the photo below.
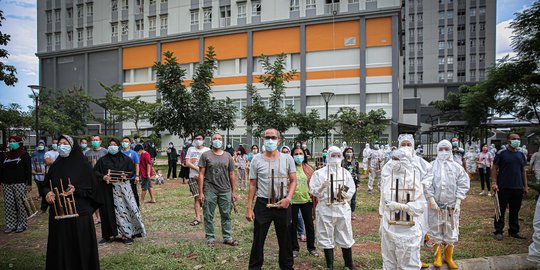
x=312, y=203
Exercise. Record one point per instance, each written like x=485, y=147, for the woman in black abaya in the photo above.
x=72, y=242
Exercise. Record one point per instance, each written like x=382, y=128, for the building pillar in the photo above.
x=396, y=93
x=303, y=97
x=363, y=64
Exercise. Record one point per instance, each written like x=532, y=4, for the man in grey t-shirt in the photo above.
x=273, y=200
x=217, y=188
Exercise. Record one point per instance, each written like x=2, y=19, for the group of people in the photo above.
x=418, y=199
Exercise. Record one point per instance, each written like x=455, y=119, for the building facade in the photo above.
x=446, y=43
x=351, y=48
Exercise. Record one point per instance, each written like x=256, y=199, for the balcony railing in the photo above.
x=224, y=22
x=332, y=8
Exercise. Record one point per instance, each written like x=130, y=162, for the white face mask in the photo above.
x=444, y=155
x=335, y=160
x=198, y=142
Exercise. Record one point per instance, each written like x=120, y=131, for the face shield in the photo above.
x=444, y=150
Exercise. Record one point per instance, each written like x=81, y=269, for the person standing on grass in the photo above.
x=217, y=187
x=93, y=155
x=351, y=164
x=172, y=160
x=147, y=173
x=38, y=166
x=535, y=166
x=485, y=158
x=16, y=181
x=120, y=214
x=302, y=202
x=510, y=181
x=192, y=161
x=84, y=145
x=184, y=171
x=375, y=161
x=241, y=161
x=262, y=215
x=126, y=150
x=52, y=154
x=457, y=151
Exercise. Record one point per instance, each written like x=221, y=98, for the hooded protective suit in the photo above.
x=365, y=156
x=377, y=162
x=450, y=183
x=534, y=248
x=470, y=159
x=333, y=222
x=400, y=244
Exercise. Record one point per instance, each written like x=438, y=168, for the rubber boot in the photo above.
x=448, y=257
x=437, y=250
x=347, y=256
x=425, y=265
x=329, y=257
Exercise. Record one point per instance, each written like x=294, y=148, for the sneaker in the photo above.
x=370, y=192
x=314, y=253
x=489, y=194
x=8, y=230
x=498, y=237
x=518, y=236
x=103, y=241
x=482, y=193
x=295, y=253
x=127, y=241
x=20, y=230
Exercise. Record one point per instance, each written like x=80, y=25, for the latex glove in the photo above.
x=324, y=186
x=433, y=203
x=393, y=206
x=457, y=206
x=345, y=195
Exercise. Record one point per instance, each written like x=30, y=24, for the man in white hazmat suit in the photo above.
x=333, y=217
x=376, y=162
x=400, y=243
x=534, y=248
x=449, y=188
x=365, y=156
x=470, y=162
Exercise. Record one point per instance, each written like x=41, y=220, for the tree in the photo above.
x=63, y=111
x=311, y=125
x=137, y=110
x=357, y=127
x=13, y=120
x=113, y=105
x=7, y=72
x=258, y=116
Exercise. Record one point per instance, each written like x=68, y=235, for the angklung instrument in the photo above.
x=30, y=207
x=402, y=193
x=118, y=176
x=277, y=185
x=39, y=167
x=497, y=206
x=193, y=187
x=64, y=204
x=337, y=186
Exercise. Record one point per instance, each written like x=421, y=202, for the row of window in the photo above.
x=123, y=26
x=69, y=36
x=69, y=12
x=449, y=14
x=225, y=13
x=461, y=43
x=450, y=74
x=138, y=3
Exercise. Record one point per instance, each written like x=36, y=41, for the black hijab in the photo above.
x=75, y=169
x=117, y=162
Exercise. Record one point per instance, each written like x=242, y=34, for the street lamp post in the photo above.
x=327, y=96
x=35, y=91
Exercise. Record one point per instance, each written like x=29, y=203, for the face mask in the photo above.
x=270, y=145
x=113, y=149
x=54, y=146
x=255, y=150
x=298, y=159
x=349, y=155
x=324, y=154
x=484, y=149
x=217, y=144
x=96, y=144
x=376, y=146
x=444, y=155
x=124, y=144
x=41, y=148
x=170, y=146
x=304, y=146
x=198, y=142
x=64, y=150
x=229, y=146
x=334, y=160
x=515, y=143
x=455, y=144
x=14, y=146
x=84, y=145
x=408, y=150
x=138, y=141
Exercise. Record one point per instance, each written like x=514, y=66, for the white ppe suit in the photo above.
x=365, y=156
x=333, y=222
x=400, y=244
x=534, y=248
x=470, y=160
x=377, y=162
x=450, y=183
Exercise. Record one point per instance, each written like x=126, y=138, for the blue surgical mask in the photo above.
x=270, y=145
x=14, y=146
x=54, y=146
x=515, y=143
x=125, y=144
x=64, y=150
x=456, y=144
x=299, y=159
x=113, y=149
x=217, y=144
x=84, y=145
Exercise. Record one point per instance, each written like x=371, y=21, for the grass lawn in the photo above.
x=173, y=244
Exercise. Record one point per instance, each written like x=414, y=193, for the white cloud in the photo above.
x=504, y=39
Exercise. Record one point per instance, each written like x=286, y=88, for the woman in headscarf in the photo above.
x=72, y=241
x=16, y=180
x=38, y=166
x=119, y=213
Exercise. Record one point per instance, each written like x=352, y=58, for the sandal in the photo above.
x=195, y=222
x=231, y=242
x=211, y=243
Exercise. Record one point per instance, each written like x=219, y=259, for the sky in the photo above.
x=21, y=24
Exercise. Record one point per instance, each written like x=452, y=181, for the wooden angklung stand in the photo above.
x=337, y=186
x=64, y=205
x=277, y=186
x=402, y=193
x=30, y=207
x=118, y=176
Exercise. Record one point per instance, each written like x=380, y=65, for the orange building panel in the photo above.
x=321, y=37
x=333, y=74
x=228, y=46
x=272, y=42
x=185, y=51
x=230, y=80
x=379, y=32
x=379, y=71
x=139, y=87
x=138, y=57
